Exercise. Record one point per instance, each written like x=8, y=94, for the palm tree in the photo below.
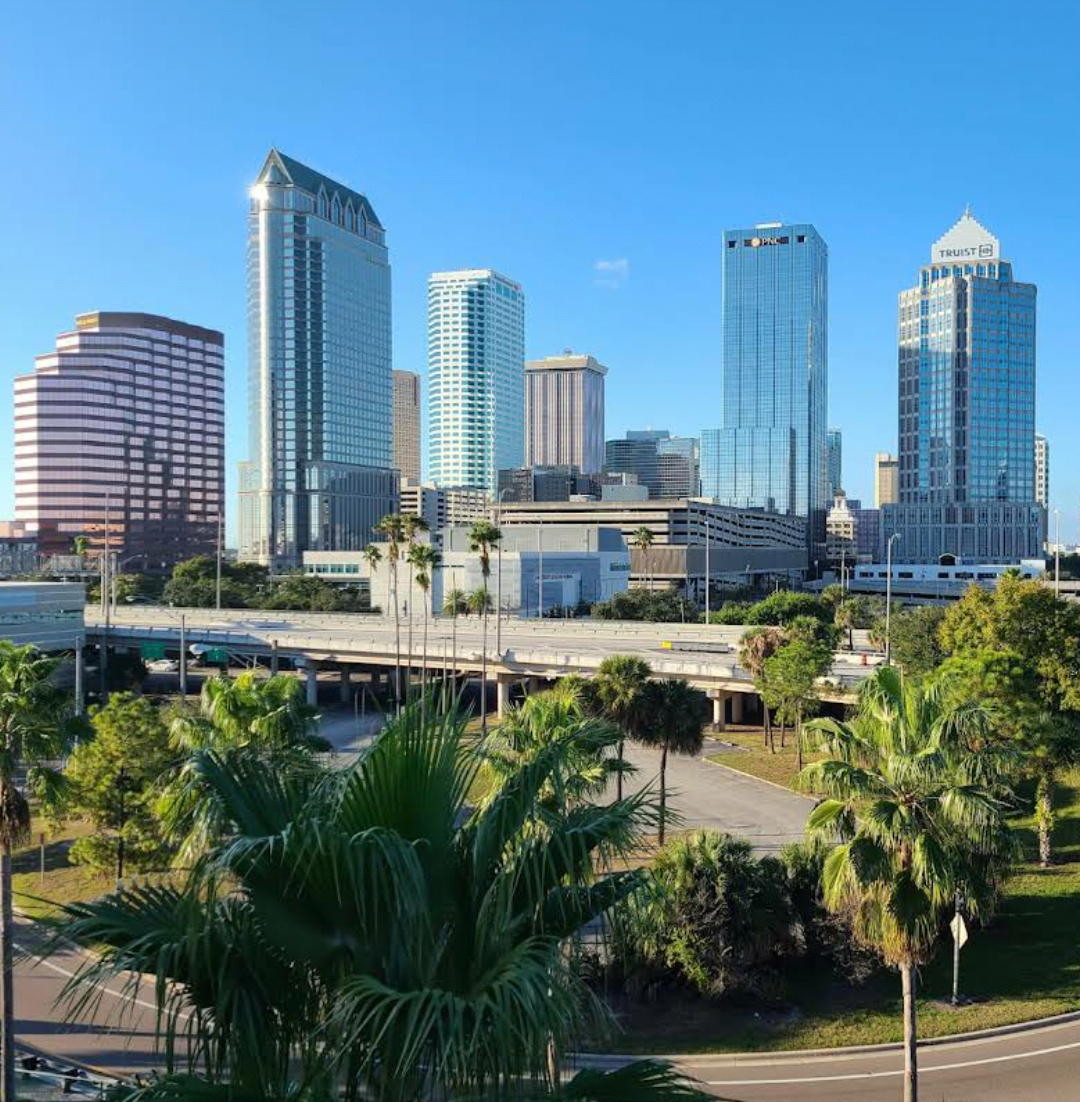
x=238, y=716
x=620, y=694
x=456, y=603
x=37, y=725
x=372, y=556
x=411, y=526
x=426, y=560
x=677, y=717
x=392, y=527
x=642, y=539
x=363, y=935
x=913, y=794
x=483, y=536
x=756, y=647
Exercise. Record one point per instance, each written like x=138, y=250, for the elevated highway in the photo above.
x=518, y=651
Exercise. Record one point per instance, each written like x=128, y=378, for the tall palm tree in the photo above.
x=620, y=694
x=483, y=537
x=372, y=556
x=426, y=560
x=412, y=525
x=37, y=725
x=642, y=539
x=363, y=935
x=456, y=603
x=677, y=714
x=756, y=647
x=913, y=794
x=239, y=716
x=392, y=529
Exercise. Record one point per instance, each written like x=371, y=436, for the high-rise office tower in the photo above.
x=681, y=477
x=407, y=424
x=476, y=377
x=886, y=479
x=770, y=451
x=835, y=461
x=1042, y=470
x=967, y=407
x=319, y=475
x=666, y=465
x=564, y=412
x=120, y=436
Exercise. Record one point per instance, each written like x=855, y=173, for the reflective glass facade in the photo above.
x=320, y=419
x=120, y=434
x=770, y=451
x=835, y=462
x=966, y=407
x=476, y=377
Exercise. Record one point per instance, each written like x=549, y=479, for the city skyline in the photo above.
x=593, y=281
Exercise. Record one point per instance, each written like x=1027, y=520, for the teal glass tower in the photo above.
x=966, y=408
x=771, y=450
x=318, y=476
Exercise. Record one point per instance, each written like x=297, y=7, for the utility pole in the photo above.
x=888, y=597
x=540, y=551
x=708, y=541
x=183, y=655
x=103, y=643
x=1057, y=552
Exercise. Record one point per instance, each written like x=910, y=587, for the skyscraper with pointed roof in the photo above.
x=966, y=407
x=318, y=475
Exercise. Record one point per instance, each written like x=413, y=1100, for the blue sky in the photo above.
x=593, y=151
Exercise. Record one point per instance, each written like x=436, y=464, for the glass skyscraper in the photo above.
x=476, y=377
x=770, y=450
x=319, y=475
x=966, y=407
x=835, y=461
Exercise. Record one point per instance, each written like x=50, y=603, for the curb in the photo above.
x=764, y=1056
x=760, y=780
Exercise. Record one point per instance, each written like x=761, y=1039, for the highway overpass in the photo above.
x=531, y=652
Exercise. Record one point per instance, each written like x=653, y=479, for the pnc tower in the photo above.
x=320, y=426
x=966, y=407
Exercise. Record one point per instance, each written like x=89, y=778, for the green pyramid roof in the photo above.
x=307, y=179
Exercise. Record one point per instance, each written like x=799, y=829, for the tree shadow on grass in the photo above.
x=56, y=857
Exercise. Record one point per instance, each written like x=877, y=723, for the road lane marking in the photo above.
x=924, y=1069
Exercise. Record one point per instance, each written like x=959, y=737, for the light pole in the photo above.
x=540, y=553
x=708, y=533
x=217, y=579
x=498, y=572
x=888, y=597
x=1057, y=552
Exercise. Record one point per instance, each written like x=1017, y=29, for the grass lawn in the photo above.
x=1025, y=965
x=755, y=758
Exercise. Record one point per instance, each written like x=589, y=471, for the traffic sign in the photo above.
x=152, y=650
x=959, y=930
x=215, y=654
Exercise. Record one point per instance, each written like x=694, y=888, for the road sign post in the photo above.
x=960, y=936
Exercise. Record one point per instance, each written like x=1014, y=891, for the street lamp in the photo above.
x=1057, y=552
x=888, y=596
x=498, y=570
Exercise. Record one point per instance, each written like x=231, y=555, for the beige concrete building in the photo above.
x=444, y=505
x=886, y=479
x=564, y=412
x=1042, y=470
x=407, y=424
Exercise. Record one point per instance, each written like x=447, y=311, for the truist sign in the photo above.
x=967, y=241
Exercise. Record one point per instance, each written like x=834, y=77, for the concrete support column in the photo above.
x=311, y=676
x=718, y=718
x=736, y=707
x=273, y=658
x=376, y=678
x=502, y=694
x=79, y=706
x=346, y=685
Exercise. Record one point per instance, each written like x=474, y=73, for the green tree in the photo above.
x=425, y=559
x=659, y=606
x=307, y=593
x=113, y=779
x=193, y=583
x=364, y=935
x=37, y=726
x=718, y=917
x=757, y=645
x=456, y=603
x=677, y=714
x=392, y=528
x=620, y=695
x=413, y=526
x=1035, y=683
x=782, y=607
x=483, y=538
x=915, y=639
x=372, y=556
x=911, y=794
x=241, y=717
x=791, y=677
x=642, y=539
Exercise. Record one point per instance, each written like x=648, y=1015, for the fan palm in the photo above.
x=913, y=794
x=363, y=933
x=392, y=528
x=677, y=714
x=483, y=537
x=37, y=723
x=620, y=694
x=426, y=560
x=642, y=539
x=372, y=556
x=412, y=525
x=237, y=716
x=756, y=647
